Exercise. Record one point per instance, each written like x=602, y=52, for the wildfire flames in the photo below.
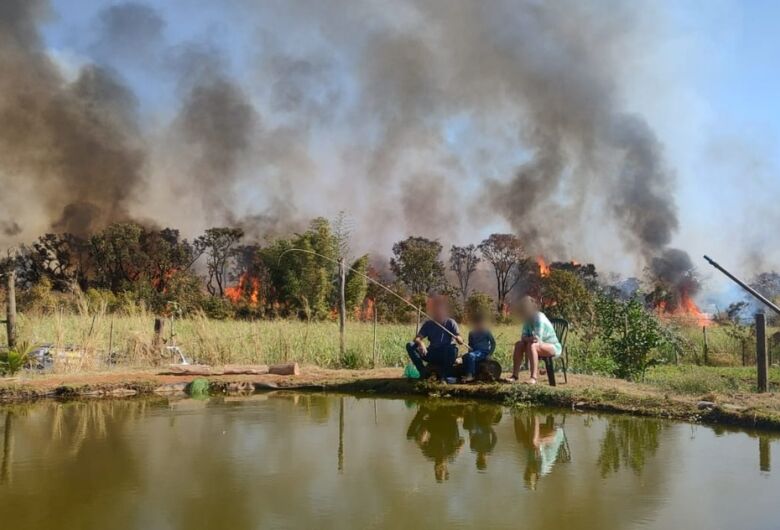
x=248, y=288
x=544, y=269
x=365, y=311
x=685, y=309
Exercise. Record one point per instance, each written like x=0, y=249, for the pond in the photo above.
x=301, y=460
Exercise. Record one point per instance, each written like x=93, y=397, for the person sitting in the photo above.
x=482, y=345
x=538, y=340
x=443, y=337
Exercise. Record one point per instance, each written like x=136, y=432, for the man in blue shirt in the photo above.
x=443, y=337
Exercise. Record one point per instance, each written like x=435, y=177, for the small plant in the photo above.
x=12, y=361
x=351, y=360
x=630, y=334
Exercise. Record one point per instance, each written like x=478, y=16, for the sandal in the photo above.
x=531, y=381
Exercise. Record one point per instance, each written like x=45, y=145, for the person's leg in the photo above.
x=532, y=355
x=476, y=357
x=469, y=364
x=536, y=350
x=448, y=355
x=443, y=357
x=415, y=357
x=517, y=358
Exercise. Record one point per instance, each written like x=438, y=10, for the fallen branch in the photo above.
x=232, y=369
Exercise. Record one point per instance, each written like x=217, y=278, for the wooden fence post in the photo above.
x=159, y=325
x=706, y=346
x=744, y=352
x=762, y=363
x=373, y=350
x=10, y=308
x=110, y=339
x=342, y=307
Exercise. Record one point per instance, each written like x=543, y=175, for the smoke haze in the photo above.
x=447, y=119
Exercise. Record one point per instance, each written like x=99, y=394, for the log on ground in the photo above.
x=257, y=369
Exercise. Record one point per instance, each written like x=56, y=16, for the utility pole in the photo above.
x=342, y=306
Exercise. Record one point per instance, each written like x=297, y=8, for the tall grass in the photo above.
x=226, y=341
x=87, y=335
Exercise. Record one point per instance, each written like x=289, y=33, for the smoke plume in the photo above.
x=436, y=118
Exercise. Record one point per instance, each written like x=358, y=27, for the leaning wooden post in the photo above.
x=10, y=308
x=342, y=307
x=761, y=357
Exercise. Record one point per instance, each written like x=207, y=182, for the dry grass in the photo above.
x=224, y=341
x=84, y=337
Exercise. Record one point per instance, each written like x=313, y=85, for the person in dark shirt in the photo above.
x=443, y=337
x=482, y=345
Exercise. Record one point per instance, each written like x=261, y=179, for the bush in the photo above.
x=479, y=305
x=629, y=333
x=14, y=360
x=218, y=308
x=39, y=298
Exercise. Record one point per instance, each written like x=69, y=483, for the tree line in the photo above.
x=222, y=274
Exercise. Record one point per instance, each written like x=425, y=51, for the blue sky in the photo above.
x=707, y=83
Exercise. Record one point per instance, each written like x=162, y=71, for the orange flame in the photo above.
x=365, y=311
x=544, y=269
x=247, y=288
x=161, y=282
x=686, y=309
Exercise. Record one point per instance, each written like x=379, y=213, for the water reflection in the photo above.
x=312, y=460
x=8, y=448
x=479, y=420
x=435, y=429
x=545, y=443
x=629, y=442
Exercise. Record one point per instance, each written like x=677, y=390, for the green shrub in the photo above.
x=479, y=305
x=630, y=334
x=12, y=361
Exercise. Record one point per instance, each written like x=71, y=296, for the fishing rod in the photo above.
x=378, y=284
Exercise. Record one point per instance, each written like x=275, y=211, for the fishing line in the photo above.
x=375, y=282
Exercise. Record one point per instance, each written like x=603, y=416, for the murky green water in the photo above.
x=313, y=461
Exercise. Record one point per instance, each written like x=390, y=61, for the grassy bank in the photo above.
x=583, y=392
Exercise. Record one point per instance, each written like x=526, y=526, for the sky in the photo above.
x=702, y=74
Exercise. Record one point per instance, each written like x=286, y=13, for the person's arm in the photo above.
x=456, y=332
x=419, y=340
x=492, y=340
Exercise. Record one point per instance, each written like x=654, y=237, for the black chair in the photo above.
x=561, y=327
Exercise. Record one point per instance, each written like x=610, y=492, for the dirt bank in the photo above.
x=582, y=392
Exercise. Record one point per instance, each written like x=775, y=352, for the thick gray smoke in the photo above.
x=76, y=141
x=453, y=115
